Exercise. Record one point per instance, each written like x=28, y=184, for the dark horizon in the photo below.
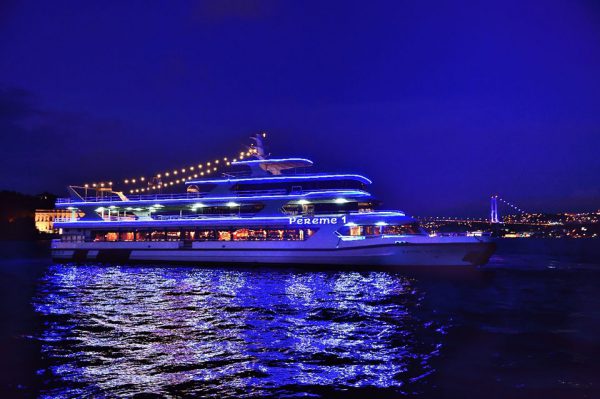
x=441, y=107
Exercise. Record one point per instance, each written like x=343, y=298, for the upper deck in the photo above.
x=263, y=181
x=259, y=195
x=255, y=187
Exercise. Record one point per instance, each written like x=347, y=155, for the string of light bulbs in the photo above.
x=175, y=176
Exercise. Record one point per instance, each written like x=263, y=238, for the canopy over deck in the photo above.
x=274, y=166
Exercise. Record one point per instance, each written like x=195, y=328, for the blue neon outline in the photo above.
x=283, y=178
x=349, y=193
x=82, y=223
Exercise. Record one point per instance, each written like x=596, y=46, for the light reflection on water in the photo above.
x=117, y=331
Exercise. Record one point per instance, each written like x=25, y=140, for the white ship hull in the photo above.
x=382, y=252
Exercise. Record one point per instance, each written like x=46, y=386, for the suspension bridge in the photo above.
x=494, y=201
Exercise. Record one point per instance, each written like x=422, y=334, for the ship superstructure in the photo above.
x=262, y=211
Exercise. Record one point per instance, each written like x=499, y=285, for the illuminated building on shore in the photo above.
x=44, y=219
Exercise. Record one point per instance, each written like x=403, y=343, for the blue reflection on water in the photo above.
x=117, y=331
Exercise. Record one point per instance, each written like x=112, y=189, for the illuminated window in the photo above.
x=142, y=235
x=126, y=236
x=257, y=234
x=205, y=235
x=291, y=235
x=404, y=229
x=157, y=235
x=240, y=235
x=173, y=235
x=275, y=235
x=99, y=236
x=372, y=230
x=356, y=231
x=224, y=235
x=189, y=235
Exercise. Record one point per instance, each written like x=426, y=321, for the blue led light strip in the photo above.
x=84, y=223
x=356, y=193
x=282, y=178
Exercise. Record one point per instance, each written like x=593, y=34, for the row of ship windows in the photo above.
x=205, y=235
x=374, y=230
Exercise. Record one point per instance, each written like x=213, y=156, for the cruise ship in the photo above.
x=263, y=211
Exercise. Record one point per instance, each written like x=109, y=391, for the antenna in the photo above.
x=259, y=150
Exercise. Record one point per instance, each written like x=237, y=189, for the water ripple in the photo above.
x=120, y=331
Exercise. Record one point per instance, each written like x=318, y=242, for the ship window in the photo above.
x=142, y=235
x=126, y=236
x=99, y=236
x=257, y=234
x=205, y=235
x=157, y=235
x=262, y=234
x=112, y=236
x=173, y=235
x=292, y=209
x=325, y=207
x=224, y=235
x=243, y=234
x=372, y=230
x=275, y=235
x=189, y=235
x=240, y=235
x=356, y=230
x=293, y=235
x=404, y=229
x=303, y=186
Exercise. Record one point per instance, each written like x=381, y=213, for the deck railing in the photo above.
x=162, y=197
x=154, y=217
x=139, y=197
x=192, y=196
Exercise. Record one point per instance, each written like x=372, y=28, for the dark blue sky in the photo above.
x=440, y=104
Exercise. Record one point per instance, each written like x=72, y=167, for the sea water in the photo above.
x=526, y=325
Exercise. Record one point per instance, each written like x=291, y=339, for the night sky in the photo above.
x=441, y=105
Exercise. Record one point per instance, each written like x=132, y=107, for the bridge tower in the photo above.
x=494, y=209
